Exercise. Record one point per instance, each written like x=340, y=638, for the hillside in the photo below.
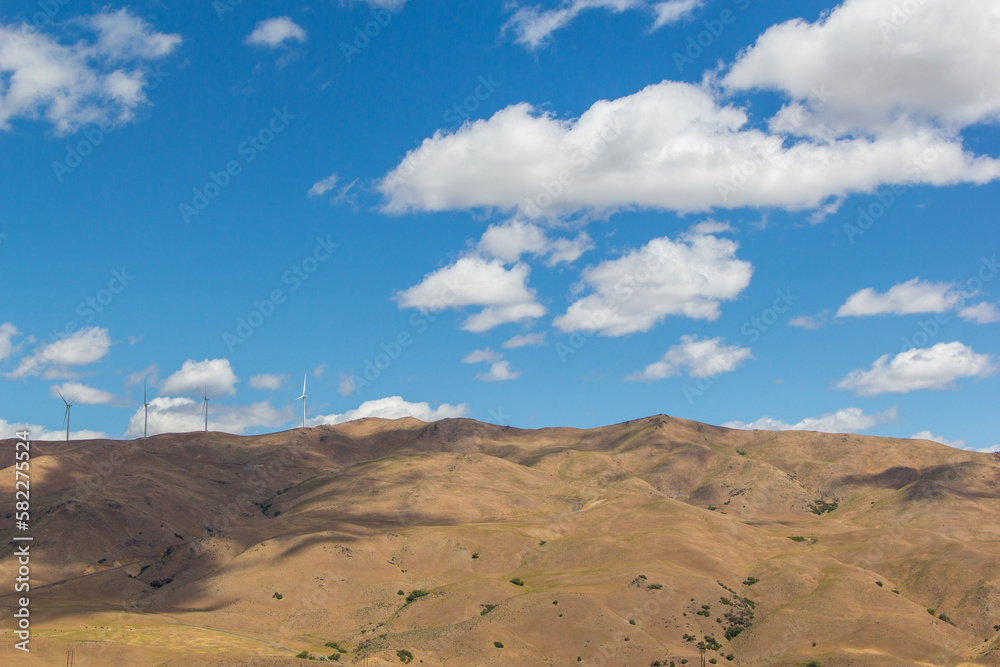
x=627, y=539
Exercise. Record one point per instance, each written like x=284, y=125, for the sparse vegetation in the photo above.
x=741, y=452
x=750, y=581
x=879, y=584
x=335, y=646
x=100, y=562
x=160, y=583
x=821, y=507
x=654, y=587
x=305, y=655
x=542, y=543
x=404, y=656
x=517, y=581
x=400, y=592
x=712, y=508
x=931, y=611
x=487, y=608
x=797, y=538
x=726, y=601
x=944, y=617
x=277, y=595
x=475, y=555
x=631, y=621
x=498, y=644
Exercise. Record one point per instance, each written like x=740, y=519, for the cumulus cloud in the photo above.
x=511, y=239
x=183, y=415
x=688, y=277
x=913, y=296
x=475, y=281
x=936, y=367
x=11, y=429
x=848, y=420
x=816, y=321
x=500, y=371
x=480, y=356
x=97, y=79
x=214, y=376
x=697, y=358
x=671, y=146
x=927, y=435
x=394, y=407
x=53, y=360
x=523, y=340
x=272, y=33
x=7, y=333
x=887, y=65
x=533, y=27
x=81, y=393
x=981, y=313
x=267, y=381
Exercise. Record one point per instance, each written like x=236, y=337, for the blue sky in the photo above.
x=766, y=215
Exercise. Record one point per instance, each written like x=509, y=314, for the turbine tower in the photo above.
x=145, y=410
x=69, y=404
x=303, y=399
x=206, y=409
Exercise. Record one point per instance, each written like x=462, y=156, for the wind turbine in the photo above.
x=206, y=409
x=303, y=399
x=69, y=404
x=145, y=410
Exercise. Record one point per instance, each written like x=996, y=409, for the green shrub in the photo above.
x=796, y=538
x=498, y=644
x=542, y=543
x=277, y=596
x=726, y=601
x=712, y=508
x=741, y=452
x=730, y=657
x=304, y=655
x=930, y=611
x=713, y=661
x=879, y=584
x=415, y=594
x=733, y=631
x=517, y=581
x=400, y=592
x=487, y=608
x=336, y=646
x=655, y=587
x=944, y=617
x=404, y=656
x=475, y=555
x=631, y=621
x=821, y=507
x=750, y=581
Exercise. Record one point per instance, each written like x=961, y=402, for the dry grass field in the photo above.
x=628, y=544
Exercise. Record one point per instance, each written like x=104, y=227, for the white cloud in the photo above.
x=935, y=367
x=267, y=381
x=698, y=358
x=83, y=347
x=94, y=80
x=848, y=420
x=533, y=27
x=511, y=239
x=346, y=385
x=886, y=64
x=669, y=146
x=475, y=281
x=524, y=340
x=394, y=407
x=320, y=188
x=981, y=313
x=913, y=296
x=687, y=277
x=988, y=450
x=500, y=371
x=83, y=394
x=319, y=371
x=816, y=321
x=672, y=11
x=10, y=430
x=214, y=376
x=481, y=356
x=275, y=32
x=183, y=415
x=7, y=333
x=927, y=435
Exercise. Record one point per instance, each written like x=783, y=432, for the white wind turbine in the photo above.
x=69, y=404
x=206, y=409
x=145, y=411
x=303, y=399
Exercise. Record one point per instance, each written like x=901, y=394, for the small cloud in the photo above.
x=525, y=340
x=81, y=393
x=927, y=435
x=346, y=386
x=848, y=420
x=480, y=356
x=673, y=11
x=319, y=371
x=394, y=407
x=214, y=376
x=981, y=313
x=7, y=333
x=273, y=33
x=499, y=372
x=134, y=340
x=934, y=367
x=320, y=188
x=267, y=381
x=816, y=321
x=699, y=358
